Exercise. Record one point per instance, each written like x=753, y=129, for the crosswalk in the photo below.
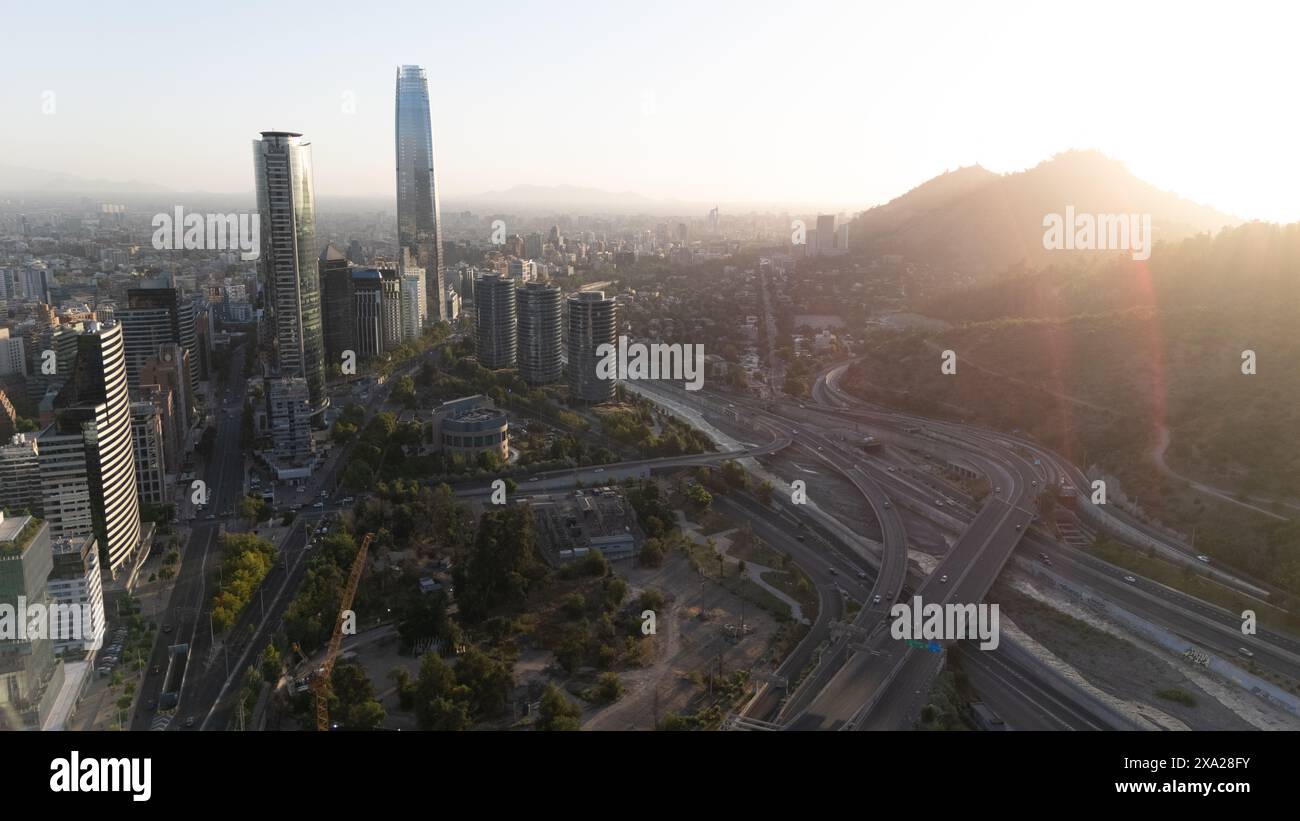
x=160, y=723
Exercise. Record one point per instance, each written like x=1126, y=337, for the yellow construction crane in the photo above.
x=320, y=685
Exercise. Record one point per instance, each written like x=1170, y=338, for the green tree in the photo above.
x=556, y=712
x=352, y=699
x=608, y=689
x=488, y=681
x=440, y=702
x=502, y=566
x=253, y=510
x=271, y=664
x=652, y=553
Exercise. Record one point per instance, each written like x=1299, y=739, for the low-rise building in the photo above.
x=468, y=426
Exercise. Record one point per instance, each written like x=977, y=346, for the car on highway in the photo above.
x=1243, y=651
x=189, y=722
x=943, y=579
x=893, y=469
x=167, y=628
x=535, y=479
x=938, y=502
x=319, y=505
x=1130, y=580
x=1018, y=525
x=886, y=504
x=598, y=470
x=833, y=571
x=1203, y=558
x=155, y=670
x=862, y=574
x=210, y=517
x=875, y=599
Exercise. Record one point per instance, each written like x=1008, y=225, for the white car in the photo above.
x=1130, y=580
x=1204, y=558
x=943, y=579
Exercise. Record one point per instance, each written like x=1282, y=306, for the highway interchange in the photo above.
x=849, y=675
x=867, y=681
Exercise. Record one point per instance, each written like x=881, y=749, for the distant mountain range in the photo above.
x=976, y=221
x=19, y=179
x=522, y=197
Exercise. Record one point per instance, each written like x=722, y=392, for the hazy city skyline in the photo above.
x=848, y=107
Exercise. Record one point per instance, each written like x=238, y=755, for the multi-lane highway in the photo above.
x=217, y=662
x=1016, y=471
x=865, y=679
x=184, y=620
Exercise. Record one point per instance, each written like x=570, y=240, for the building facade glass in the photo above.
x=419, y=224
x=288, y=262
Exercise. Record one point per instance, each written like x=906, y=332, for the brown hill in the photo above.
x=975, y=221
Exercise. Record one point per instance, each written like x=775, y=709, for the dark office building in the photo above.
x=340, y=324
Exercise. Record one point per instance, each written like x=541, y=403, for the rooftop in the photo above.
x=17, y=532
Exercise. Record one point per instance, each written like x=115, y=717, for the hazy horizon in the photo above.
x=758, y=102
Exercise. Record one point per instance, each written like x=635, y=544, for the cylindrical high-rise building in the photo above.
x=286, y=203
x=419, y=224
x=593, y=321
x=495, y=320
x=541, y=332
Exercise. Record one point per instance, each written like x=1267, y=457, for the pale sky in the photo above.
x=832, y=103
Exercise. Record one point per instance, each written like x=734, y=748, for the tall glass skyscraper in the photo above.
x=288, y=263
x=419, y=225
